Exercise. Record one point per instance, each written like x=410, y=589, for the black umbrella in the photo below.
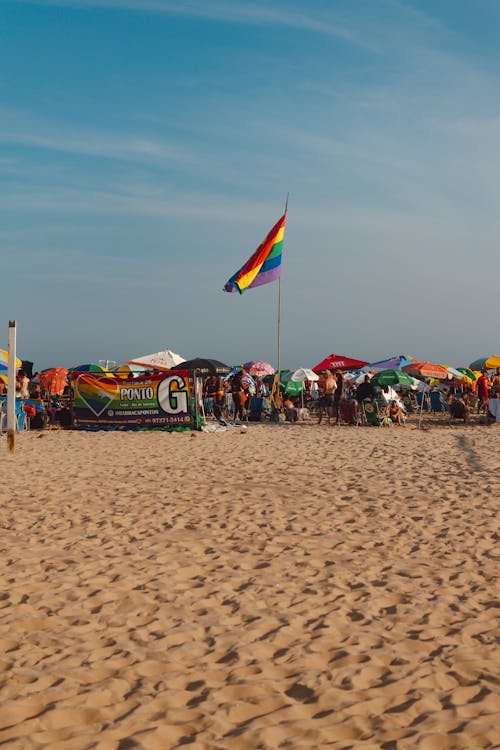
x=205, y=366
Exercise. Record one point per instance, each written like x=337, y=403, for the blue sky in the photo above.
x=147, y=146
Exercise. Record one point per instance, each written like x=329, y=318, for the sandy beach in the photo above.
x=292, y=587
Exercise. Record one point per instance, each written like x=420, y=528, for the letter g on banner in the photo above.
x=173, y=401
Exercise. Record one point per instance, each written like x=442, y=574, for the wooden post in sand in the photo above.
x=11, y=391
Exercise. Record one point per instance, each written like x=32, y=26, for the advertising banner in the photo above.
x=162, y=401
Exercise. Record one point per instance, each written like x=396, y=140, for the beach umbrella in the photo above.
x=283, y=377
x=300, y=375
x=428, y=370
x=4, y=361
x=91, y=368
x=471, y=374
x=393, y=377
x=456, y=374
x=292, y=387
x=339, y=362
x=486, y=363
x=164, y=360
x=204, y=366
x=392, y=363
x=355, y=377
x=259, y=368
x=54, y=380
x=127, y=371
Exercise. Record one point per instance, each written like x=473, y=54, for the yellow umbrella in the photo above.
x=486, y=363
x=4, y=359
x=127, y=371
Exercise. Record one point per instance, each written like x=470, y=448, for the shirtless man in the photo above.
x=326, y=400
x=495, y=382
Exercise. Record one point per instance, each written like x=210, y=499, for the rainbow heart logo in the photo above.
x=97, y=392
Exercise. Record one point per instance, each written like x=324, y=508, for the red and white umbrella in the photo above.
x=339, y=362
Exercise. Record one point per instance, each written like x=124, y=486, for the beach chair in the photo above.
x=421, y=396
x=375, y=415
x=40, y=420
x=255, y=409
x=458, y=410
x=437, y=402
x=21, y=421
x=30, y=412
x=348, y=412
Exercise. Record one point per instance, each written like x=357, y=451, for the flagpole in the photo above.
x=279, y=324
x=279, y=317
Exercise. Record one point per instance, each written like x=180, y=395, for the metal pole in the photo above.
x=279, y=306
x=279, y=324
x=195, y=394
x=421, y=406
x=11, y=392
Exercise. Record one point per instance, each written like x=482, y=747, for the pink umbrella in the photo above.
x=259, y=368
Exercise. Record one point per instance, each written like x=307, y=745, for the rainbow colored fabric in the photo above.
x=265, y=264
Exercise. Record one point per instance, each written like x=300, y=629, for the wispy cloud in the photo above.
x=103, y=145
x=229, y=12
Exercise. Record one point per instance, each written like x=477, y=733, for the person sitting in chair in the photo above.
x=459, y=408
x=291, y=411
x=396, y=413
x=365, y=390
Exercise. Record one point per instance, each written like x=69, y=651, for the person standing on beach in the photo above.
x=238, y=394
x=211, y=388
x=483, y=392
x=326, y=402
x=339, y=390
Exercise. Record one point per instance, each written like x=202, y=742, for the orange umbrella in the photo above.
x=428, y=370
x=54, y=380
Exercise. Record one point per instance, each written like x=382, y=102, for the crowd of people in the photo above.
x=327, y=398
x=333, y=398
x=40, y=406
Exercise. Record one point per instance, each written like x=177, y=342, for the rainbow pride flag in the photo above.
x=265, y=264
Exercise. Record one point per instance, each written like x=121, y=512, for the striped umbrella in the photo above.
x=4, y=361
x=456, y=374
x=471, y=374
x=486, y=363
